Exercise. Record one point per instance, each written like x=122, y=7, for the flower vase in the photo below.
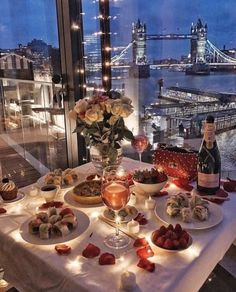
x=102, y=155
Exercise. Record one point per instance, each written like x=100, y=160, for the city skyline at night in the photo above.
x=160, y=17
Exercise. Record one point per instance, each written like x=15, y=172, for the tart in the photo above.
x=88, y=192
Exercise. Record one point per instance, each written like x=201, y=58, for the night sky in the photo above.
x=23, y=20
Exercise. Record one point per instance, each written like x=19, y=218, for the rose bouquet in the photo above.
x=101, y=121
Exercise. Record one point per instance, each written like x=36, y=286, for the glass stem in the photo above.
x=117, y=224
x=140, y=158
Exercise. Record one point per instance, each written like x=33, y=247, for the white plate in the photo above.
x=83, y=224
x=41, y=183
x=20, y=196
x=215, y=216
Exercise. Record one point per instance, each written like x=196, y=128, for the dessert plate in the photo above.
x=215, y=216
x=20, y=196
x=83, y=224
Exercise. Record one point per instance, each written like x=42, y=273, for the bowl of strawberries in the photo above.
x=149, y=181
x=171, y=238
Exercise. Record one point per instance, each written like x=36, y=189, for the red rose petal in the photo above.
x=140, y=242
x=146, y=265
x=229, y=186
x=91, y=251
x=107, y=259
x=2, y=210
x=56, y=204
x=141, y=219
x=62, y=249
x=145, y=252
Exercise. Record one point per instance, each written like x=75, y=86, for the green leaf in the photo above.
x=79, y=129
x=128, y=134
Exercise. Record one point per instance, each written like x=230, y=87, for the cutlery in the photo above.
x=131, y=235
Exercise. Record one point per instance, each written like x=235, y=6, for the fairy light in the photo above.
x=75, y=26
x=105, y=78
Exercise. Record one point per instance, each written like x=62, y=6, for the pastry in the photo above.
x=68, y=179
x=88, y=192
x=8, y=189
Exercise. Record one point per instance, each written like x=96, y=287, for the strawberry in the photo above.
x=176, y=244
x=155, y=235
x=168, y=244
x=178, y=228
x=170, y=227
x=183, y=243
x=162, y=230
x=185, y=235
x=169, y=234
x=160, y=241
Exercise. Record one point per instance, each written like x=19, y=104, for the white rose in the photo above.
x=81, y=106
x=116, y=107
x=92, y=115
x=126, y=100
x=127, y=110
x=73, y=115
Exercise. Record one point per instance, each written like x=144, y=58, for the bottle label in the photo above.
x=209, y=133
x=208, y=180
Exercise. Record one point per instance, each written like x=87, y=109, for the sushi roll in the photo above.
x=54, y=218
x=43, y=216
x=172, y=210
x=60, y=229
x=201, y=213
x=182, y=200
x=45, y=230
x=186, y=214
x=34, y=226
x=70, y=221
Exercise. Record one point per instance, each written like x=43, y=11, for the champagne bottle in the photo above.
x=209, y=162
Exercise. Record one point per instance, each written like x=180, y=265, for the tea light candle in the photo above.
x=150, y=203
x=33, y=191
x=127, y=281
x=132, y=199
x=133, y=226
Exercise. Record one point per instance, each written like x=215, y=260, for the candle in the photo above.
x=33, y=191
x=133, y=226
x=150, y=203
x=132, y=199
x=127, y=281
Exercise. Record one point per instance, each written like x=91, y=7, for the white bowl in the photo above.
x=150, y=188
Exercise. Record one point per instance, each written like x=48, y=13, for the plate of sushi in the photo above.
x=192, y=212
x=54, y=226
x=64, y=178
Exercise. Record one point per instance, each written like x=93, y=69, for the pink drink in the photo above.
x=115, y=195
x=140, y=143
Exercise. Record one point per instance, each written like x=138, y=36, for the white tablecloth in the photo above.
x=39, y=268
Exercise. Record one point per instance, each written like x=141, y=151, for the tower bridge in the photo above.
x=203, y=53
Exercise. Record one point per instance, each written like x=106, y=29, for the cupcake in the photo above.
x=8, y=189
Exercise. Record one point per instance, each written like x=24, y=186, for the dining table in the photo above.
x=38, y=267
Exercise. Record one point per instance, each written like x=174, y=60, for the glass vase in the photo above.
x=99, y=156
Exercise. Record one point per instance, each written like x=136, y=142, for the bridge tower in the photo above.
x=198, y=50
x=139, y=43
x=198, y=42
x=140, y=67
